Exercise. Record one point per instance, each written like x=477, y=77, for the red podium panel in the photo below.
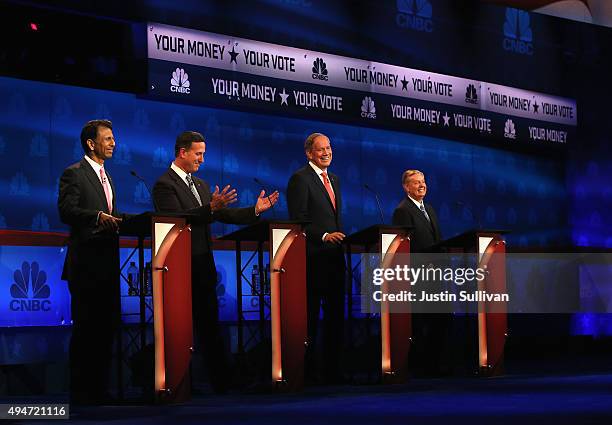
x=172, y=311
x=288, y=304
x=492, y=326
x=395, y=328
x=287, y=244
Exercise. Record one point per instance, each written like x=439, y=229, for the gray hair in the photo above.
x=310, y=141
x=409, y=173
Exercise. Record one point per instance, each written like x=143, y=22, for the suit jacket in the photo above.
x=308, y=200
x=171, y=194
x=424, y=233
x=81, y=197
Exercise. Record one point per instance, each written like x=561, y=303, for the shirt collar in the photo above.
x=178, y=170
x=317, y=169
x=96, y=167
x=417, y=203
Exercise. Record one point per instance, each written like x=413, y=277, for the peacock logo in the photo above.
x=518, y=36
x=319, y=70
x=368, y=109
x=179, y=83
x=30, y=291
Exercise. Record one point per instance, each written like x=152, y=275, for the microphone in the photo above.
x=133, y=173
x=382, y=217
x=474, y=218
x=261, y=185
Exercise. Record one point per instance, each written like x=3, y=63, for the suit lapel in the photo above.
x=434, y=223
x=204, y=195
x=419, y=214
x=182, y=186
x=112, y=186
x=94, y=181
x=334, y=183
x=317, y=182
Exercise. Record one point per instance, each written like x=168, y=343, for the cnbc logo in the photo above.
x=509, y=130
x=518, y=37
x=319, y=70
x=368, y=109
x=471, y=95
x=414, y=15
x=179, y=83
x=30, y=291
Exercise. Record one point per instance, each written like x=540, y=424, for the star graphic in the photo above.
x=284, y=95
x=446, y=118
x=234, y=54
x=404, y=84
x=536, y=107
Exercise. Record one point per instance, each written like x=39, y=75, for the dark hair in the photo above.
x=310, y=141
x=185, y=139
x=90, y=131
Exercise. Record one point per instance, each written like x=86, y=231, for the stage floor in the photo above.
x=576, y=399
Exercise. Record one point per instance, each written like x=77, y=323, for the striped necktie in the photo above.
x=193, y=188
x=328, y=187
x=422, y=208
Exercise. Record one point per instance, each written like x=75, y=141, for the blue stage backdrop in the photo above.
x=40, y=124
x=469, y=185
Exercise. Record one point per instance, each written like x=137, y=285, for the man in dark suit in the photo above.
x=430, y=330
x=177, y=190
x=314, y=196
x=412, y=211
x=87, y=203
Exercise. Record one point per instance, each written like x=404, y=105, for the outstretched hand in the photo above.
x=264, y=202
x=222, y=199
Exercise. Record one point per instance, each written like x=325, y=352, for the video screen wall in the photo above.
x=40, y=123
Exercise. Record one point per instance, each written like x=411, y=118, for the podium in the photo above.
x=172, y=308
x=395, y=328
x=490, y=248
x=287, y=250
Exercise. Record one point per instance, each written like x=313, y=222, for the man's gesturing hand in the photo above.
x=264, y=202
x=222, y=199
x=334, y=237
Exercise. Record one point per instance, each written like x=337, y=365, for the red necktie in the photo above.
x=328, y=187
x=106, y=190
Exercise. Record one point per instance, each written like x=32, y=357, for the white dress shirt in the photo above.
x=96, y=167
